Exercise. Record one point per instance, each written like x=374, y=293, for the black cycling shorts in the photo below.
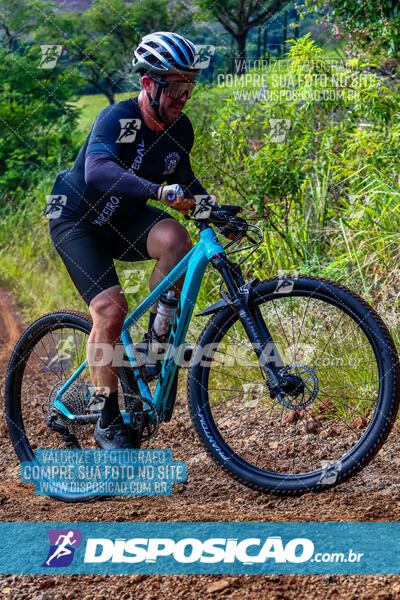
x=88, y=251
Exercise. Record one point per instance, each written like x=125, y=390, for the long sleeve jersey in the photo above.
x=121, y=165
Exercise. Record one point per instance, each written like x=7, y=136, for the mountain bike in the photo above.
x=293, y=385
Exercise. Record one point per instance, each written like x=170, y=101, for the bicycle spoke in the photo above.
x=337, y=387
x=280, y=322
x=367, y=362
x=301, y=326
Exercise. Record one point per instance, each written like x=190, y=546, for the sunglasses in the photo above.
x=176, y=89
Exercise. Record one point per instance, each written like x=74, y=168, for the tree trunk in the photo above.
x=259, y=43
x=297, y=28
x=8, y=35
x=232, y=57
x=265, y=42
x=110, y=87
x=241, y=53
x=110, y=96
x=285, y=19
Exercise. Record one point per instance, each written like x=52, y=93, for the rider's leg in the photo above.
x=108, y=310
x=168, y=242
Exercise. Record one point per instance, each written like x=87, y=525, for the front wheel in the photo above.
x=340, y=398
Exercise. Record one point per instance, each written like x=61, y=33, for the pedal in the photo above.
x=137, y=422
x=70, y=439
x=148, y=370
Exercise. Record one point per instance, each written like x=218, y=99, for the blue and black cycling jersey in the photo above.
x=121, y=165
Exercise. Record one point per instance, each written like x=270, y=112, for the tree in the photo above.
x=101, y=41
x=36, y=119
x=238, y=17
x=104, y=50
x=17, y=18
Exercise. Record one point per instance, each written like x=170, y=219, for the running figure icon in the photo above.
x=62, y=543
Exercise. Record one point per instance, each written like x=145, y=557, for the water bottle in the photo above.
x=153, y=350
x=165, y=313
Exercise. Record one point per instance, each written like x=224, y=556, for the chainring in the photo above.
x=136, y=406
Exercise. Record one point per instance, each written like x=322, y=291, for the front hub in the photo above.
x=298, y=386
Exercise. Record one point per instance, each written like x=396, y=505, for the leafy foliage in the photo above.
x=326, y=194
x=344, y=131
x=100, y=41
x=373, y=26
x=36, y=116
x=238, y=18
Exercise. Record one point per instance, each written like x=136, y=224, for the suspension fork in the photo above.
x=251, y=319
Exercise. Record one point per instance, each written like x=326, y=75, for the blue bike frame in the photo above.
x=194, y=264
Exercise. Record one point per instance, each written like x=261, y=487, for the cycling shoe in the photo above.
x=113, y=437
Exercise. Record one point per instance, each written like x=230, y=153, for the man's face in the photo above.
x=170, y=108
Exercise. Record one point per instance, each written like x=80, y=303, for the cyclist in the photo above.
x=98, y=212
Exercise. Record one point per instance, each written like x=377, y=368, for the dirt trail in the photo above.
x=11, y=324
x=209, y=494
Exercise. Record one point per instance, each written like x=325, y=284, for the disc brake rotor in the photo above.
x=301, y=387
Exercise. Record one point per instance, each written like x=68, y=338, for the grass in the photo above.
x=89, y=107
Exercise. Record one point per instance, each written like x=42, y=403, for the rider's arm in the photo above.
x=107, y=176
x=102, y=169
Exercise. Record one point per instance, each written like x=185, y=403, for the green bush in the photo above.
x=37, y=120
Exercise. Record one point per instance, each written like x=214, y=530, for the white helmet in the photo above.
x=165, y=52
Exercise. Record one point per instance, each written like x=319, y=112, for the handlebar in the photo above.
x=224, y=217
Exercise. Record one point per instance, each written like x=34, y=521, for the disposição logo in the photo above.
x=62, y=547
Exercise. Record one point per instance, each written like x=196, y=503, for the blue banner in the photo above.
x=200, y=548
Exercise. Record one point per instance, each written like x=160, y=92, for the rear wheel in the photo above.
x=340, y=395
x=45, y=357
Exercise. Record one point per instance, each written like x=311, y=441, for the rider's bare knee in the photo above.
x=109, y=311
x=176, y=240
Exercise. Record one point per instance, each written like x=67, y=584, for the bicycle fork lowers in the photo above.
x=252, y=320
